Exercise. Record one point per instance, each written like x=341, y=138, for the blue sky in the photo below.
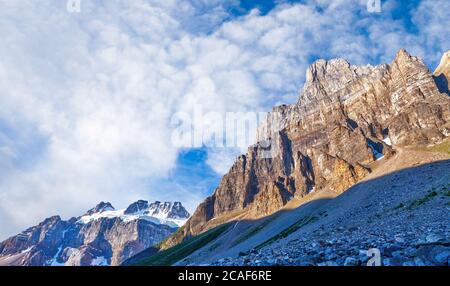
x=86, y=99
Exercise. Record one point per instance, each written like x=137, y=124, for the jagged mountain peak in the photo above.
x=340, y=69
x=325, y=78
x=165, y=210
x=404, y=60
x=168, y=210
x=101, y=207
x=445, y=63
x=136, y=207
x=172, y=214
x=322, y=68
x=179, y=210
x=50, y=220
x=442, y=72
x=403, y=54
x=337, y=81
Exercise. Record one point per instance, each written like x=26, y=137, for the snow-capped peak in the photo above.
x=101, y=207
x=168, y=210
x=171, y=214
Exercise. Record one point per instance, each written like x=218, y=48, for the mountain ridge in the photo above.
x=442, y=73
x=346, y=120
x=102, y=236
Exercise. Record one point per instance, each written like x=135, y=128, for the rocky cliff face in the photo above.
x=347, y=118
x=102, y=236
x=442, y=73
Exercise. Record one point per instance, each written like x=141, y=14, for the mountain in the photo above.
x=350, y=125
x=102, y=236
x=399, y=212
x=442, y=73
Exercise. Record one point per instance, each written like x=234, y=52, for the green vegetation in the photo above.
x=401, y=205
x=248, y=234
x=444, y=147
x=213, y=247
x=429, y=196
x=296, y=226
x=446, y=191
x=416, y=203
x=254, y=231
x=161, y=243
x=323, y=213
x=172, y=255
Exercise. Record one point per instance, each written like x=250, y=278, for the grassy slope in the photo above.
x=285, y=233
x=443, y=147
x=172, y=255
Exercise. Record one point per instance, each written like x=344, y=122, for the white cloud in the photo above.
x=221, y=159
x=97, y=89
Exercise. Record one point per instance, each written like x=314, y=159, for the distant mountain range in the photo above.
x=102, y=236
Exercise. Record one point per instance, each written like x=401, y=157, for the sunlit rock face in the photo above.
x=442, y=73
x=347, y=117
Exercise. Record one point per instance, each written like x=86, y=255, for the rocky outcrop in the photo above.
x=168, y=210
x=347, y=118
x=102, y=236
x=137, y=207
x=442, y=73
x=399, y=213
x=101, y=207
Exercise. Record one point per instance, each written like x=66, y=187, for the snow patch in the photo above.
x=156, y=219
x=378, y=156
x=54, y=260
x=27, y=250
x=388, y=141
x=376, y=153
x=99, y=261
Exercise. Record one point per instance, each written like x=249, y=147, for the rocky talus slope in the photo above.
x=102, y=236
x=400, y=212
x=348, y=120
